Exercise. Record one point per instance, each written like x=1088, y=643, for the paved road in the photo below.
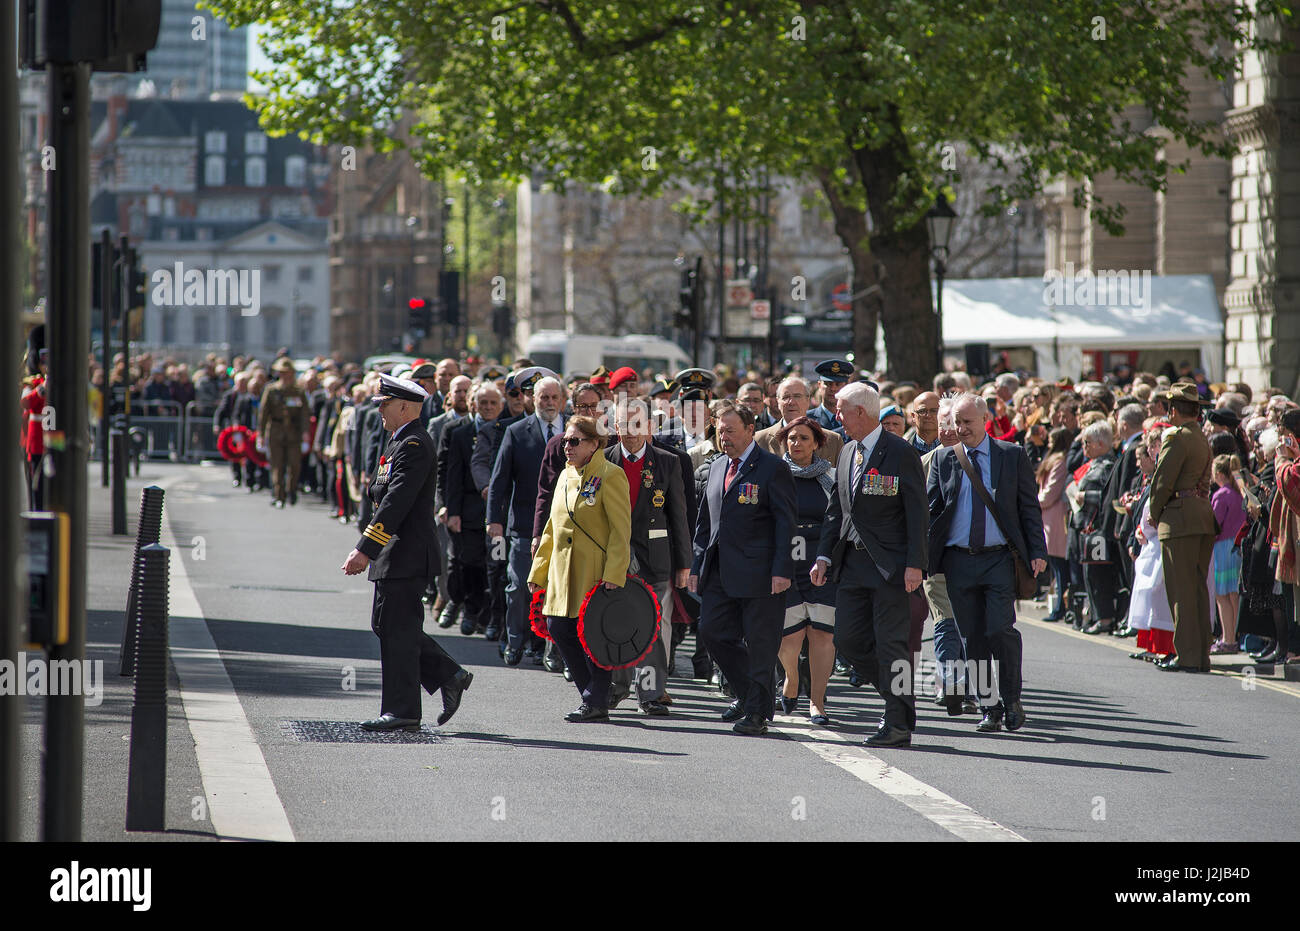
x=1114, y=750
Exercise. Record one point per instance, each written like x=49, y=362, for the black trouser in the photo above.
x=1102, y=583
x=982, y=591
x=469, y=565
x=743, y=636
x=873, y=623
x=591, y=680
x=409, y=658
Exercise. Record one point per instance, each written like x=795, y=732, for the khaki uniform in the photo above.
x=281, y=421
x=1180, y=509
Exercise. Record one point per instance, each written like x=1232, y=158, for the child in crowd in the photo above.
x=1230, y=512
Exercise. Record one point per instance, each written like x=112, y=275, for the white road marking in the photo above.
x=242, y=800
x=925, y=800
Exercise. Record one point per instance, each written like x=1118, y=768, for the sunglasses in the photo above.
x=514, y=394
x=572, y=441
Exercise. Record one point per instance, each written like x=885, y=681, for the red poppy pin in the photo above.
x=873, y=472
x=383, y=459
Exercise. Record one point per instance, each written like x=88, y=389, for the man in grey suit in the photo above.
x=969, y=546
x=874, y=544
x=793, y=397
x=457, y=407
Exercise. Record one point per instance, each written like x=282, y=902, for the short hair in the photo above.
x=485, y=386
x=1142, y=391
x=944, y=382
x=962, y=380
x=1268, y=441
x=862, y=395
x=1132, y=415
x=582, y=386
x=970, y=397
x=731, y=407
x=1232, y=401
x=1099, y=430
x=1008, y=380
x=587, y=426
x=749, y=384
x=818, y=434
x=792, y=380
x=537, y=385
x=1185, y=408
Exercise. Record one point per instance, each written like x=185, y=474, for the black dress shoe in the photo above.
x=1172, y=665
x=856, y=680
x=819, y=720
x=701, y=670
x=1140, y=654
x=751, y=725
x=467, y=626
x=493, y=633
x=887, y=736
x=387, y=722
x=277, y=503
x=735, y=711
x=655, y=709
x=992, y=720
x=568, y=674
x=293, y=497
x=615, y=698
x=449, y=615
x=514, y=657
x=970, y=706
x=587, y=712
x=451, y=694
x=1014, y=718
x=788, y=705
x=841, y=667
x=953, y=704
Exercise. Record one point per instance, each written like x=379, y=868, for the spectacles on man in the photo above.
x=927, y=412
x=585, y=407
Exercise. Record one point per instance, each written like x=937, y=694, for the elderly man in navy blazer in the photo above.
x=874, y=541
x=743, y=563
x=512, y=495
x=969, y=546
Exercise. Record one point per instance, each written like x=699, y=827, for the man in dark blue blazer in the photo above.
x=873, y=544
x=969, y=546
x=743, y=563
x=512, y=497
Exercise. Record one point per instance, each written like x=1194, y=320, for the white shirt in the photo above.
x=557, y=425
x=868, y=446
x=632, y=457
x=743, y=456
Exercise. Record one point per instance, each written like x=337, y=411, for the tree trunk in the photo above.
x=851, y=227
x=911, y=333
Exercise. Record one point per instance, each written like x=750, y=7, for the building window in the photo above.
x=255, y=172
x=214, y=141
x=254, y=143
x=214, y=171
x=168, y=326
x=295, y=171
x=235, y=327
x=272, y=318
x=271, y=273
x=305, y=331
x=202, y=333
x=305, y=273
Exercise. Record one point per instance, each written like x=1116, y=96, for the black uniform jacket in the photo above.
x=400, y=538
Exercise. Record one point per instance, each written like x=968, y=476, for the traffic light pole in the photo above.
x=105, y=285
x=68, y=313
x=12, y=616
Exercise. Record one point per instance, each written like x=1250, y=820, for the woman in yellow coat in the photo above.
x=587, y=540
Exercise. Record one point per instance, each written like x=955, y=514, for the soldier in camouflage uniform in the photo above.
x=281, y=426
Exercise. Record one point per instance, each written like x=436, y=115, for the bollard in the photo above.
x=148, y=532
x=117, y=444
x=146, y=792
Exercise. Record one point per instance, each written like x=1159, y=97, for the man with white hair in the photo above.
x=975, y=549
x=873, y=544
x=793, y=399
x=1007, y=386
x=512, y=497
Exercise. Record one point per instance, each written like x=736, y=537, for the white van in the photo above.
x=567, y=353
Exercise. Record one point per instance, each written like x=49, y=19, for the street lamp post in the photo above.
x=939, y=221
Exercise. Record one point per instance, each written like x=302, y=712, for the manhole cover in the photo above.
x=351, y=732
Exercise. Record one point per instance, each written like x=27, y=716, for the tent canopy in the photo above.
x=1179, y=310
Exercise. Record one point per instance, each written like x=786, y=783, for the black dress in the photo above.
x=810, y=507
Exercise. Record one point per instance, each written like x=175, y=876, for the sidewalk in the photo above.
x=108, y=726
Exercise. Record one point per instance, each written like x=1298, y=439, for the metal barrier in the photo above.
x=163, y=423
x=200, y=441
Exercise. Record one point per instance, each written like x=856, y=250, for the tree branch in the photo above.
x=592, y=50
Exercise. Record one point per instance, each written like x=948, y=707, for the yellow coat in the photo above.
x=568, y=562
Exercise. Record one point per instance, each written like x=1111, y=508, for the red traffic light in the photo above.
x=416, y=303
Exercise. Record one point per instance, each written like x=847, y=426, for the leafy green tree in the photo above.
x=864, y=96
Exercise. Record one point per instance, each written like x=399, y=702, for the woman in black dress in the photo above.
x=809, y=610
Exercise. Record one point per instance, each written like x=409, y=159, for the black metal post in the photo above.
x=68, y=311
x=126, y=255
x=939, y=270
x=118, y=450
x=12, y=584
x=105, y=286
x=147, y=534
x=722, y=271
x=146, y=793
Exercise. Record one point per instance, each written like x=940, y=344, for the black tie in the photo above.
x=977, y=508
x=549, y=431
